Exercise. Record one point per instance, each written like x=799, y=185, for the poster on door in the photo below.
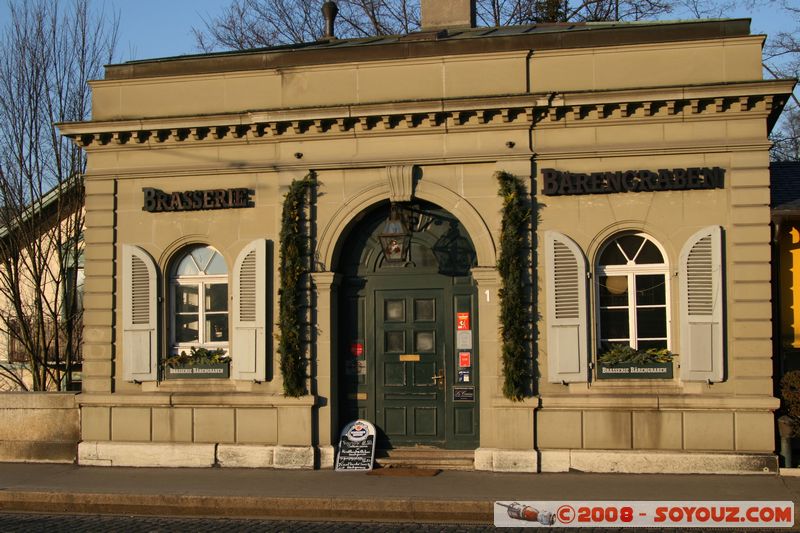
x=462, y=321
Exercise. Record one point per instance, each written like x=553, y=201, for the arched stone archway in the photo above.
x=330, y=236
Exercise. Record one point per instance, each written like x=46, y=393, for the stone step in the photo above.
x=426, y=458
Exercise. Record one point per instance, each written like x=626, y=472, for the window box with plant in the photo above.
x=199, y=363
x=620, y=361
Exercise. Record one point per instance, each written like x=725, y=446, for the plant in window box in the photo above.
x=199, y=363
x=625, y=362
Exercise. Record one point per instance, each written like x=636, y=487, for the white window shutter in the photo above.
x=702, y=327
x=567, y=322
x=249, y=349
x=139, y=315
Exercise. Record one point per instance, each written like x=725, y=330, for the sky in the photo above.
x=163, y=28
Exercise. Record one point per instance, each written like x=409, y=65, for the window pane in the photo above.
x=424, y=310
x=422, y=256
x=650, y=255
x=658, y=345
x=186, y=267
x=202, y=255
x=217, y=266
x=651, y=323
x=613, y=291
x=614, y=324
x=217, y=297
x=395, y=310
x=217, y=328
x=186, y=326
x=424, y=341
x=395, y=341
x=630, y=245
x=612, y=256
x=186, y=298
x=651, y=289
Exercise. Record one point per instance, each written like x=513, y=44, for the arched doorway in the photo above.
x=408, y=358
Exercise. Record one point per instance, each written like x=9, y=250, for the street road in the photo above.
x=48, y=523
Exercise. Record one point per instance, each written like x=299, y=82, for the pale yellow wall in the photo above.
x=457, y=163
x=650, y=65
x=29, y=289
x=369, y=82
x=671, y=217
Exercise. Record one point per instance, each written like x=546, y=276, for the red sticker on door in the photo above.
x=462, y=321
x=464, y=360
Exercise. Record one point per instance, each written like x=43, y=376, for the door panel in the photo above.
x=410, y=388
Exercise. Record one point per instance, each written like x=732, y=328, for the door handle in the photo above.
x=438, y=379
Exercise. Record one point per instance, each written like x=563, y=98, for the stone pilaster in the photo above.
x=98, y=315
x=326, y=285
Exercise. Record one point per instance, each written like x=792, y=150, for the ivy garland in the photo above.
x=511, y=265
x=293, y=266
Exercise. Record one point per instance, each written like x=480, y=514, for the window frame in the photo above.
x=631, y=271
x=201, y=281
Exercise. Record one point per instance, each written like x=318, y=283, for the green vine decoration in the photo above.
x=293, y=266
x=512, y=265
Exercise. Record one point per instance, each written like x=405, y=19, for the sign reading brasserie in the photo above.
x=158, y=201
x=559, y=183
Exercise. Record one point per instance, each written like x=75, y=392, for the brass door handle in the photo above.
x=438, y=379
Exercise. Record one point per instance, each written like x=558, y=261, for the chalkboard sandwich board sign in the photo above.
x=356, y=447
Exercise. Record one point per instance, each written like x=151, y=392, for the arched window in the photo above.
x=199, y=299
x=632, y=293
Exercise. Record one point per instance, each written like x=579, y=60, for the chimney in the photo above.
x=451, y=14
x=329, y=11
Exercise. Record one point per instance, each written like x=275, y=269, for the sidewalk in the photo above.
x=451, y=496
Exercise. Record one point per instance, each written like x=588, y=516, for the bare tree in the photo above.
x=782, y=60
x=246, y=24
x=48, y=53
x=786, y=137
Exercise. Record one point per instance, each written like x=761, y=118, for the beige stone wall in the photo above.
x=346, y=84
x=735, y=414
x=472, y=75
x=216, y=418
x=648, y=65
x=39, y=427
x=348, y=122
x=740, y=428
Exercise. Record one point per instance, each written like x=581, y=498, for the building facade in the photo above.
x=643, y=150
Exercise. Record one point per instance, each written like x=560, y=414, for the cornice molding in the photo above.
x=754, y=99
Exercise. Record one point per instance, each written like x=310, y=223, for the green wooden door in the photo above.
x=410, y=366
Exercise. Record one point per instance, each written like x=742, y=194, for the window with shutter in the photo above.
x=702, y=294
x=247, y=288
x=139, y=315
x=632, y=288
x=199, y=300
x=567, y=335
x=249, y=349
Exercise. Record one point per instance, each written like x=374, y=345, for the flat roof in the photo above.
x=435, y=43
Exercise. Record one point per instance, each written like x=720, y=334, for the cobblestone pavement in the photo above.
x=42, y=523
